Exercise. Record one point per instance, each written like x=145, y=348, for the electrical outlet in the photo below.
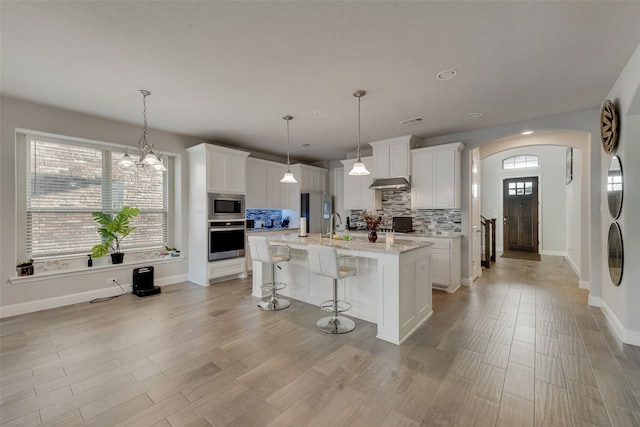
x=111, y=280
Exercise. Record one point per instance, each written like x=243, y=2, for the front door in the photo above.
x=520, y=207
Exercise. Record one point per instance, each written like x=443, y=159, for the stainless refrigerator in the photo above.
x=317, y=209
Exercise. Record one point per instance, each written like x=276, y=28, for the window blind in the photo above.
x=67, y=181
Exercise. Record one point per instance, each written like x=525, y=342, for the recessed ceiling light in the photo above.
x=320, y=113
x=474, y=115
x=419, y=119
x=446, y=74
x=526, y=132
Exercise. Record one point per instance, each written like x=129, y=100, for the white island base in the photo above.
x=392, y=289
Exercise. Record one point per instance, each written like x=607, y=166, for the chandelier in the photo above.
x=288, y=177
x=358, y=167
x=147, y=154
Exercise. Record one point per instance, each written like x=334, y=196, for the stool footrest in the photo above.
x=342, y=306
x=273, y=286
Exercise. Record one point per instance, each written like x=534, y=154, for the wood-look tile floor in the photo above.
x=519, y=348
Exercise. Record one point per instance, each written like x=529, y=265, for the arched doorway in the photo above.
x=580, y=251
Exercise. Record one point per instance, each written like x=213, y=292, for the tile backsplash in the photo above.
x=398, y=203
x=264, y=215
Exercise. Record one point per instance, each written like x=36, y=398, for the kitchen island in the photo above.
x=392, y=289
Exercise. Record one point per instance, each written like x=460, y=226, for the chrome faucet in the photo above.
x=332, y=225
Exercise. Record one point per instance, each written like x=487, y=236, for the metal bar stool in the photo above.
x=324, y=261
x=262, y=251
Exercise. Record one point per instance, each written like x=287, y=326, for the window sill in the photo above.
x=83, y=271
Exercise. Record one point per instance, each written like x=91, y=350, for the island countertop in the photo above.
x=414, y=235
x=355, y=244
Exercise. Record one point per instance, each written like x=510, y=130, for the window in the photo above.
x=67, y=181
x=520, y=162
x=521, y=188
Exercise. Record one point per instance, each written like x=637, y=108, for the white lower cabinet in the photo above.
x=445, y=263
x=223, y=269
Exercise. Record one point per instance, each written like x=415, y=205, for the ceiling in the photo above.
x=229, y=71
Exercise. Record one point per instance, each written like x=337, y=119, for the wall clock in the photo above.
x=609, y=126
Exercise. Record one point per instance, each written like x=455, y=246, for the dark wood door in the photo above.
x=520, y=207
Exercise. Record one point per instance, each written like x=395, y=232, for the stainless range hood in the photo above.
x=396, y=183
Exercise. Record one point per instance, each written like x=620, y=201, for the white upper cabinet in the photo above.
x=264, y=189
x=392, y=157
x=435, y=177
x=226, y=169
x=256, y=184
x=311, y=179
x=357, y=194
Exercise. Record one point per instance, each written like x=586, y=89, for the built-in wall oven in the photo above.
x=226, y=239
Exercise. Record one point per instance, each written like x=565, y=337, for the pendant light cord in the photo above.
x=288, y=162
x=359, y=159
x=359, y=94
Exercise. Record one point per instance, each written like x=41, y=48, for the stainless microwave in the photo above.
x=226, y=206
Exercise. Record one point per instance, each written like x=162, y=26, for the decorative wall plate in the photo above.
x=609, y=126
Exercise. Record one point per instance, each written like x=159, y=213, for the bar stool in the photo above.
x=324, y=261
x=262, y=251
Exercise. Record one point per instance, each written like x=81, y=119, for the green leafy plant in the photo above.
x=25, y=263
x=114, y=230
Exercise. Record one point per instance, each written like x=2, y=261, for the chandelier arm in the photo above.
x=144, y=113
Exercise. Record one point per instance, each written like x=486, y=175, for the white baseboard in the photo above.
x=626, y=335
x=593, y=301
x=172, y=280
x=573, y=266
x=554, y=253
x=583, y=284
x=61, y=301
x=450, y=289
x=466, y=281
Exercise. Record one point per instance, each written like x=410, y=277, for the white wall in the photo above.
x=24, y=115
x=551, y=189
x=620, y=303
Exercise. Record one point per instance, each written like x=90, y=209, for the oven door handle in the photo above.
x=226, y=228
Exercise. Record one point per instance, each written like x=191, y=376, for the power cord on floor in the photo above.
x=93, y=301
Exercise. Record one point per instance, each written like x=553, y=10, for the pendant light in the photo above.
x=288, y=177
x=147, y=154
x=358, y=167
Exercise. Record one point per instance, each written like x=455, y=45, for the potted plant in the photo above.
x=113, y=231
x=25, y=268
